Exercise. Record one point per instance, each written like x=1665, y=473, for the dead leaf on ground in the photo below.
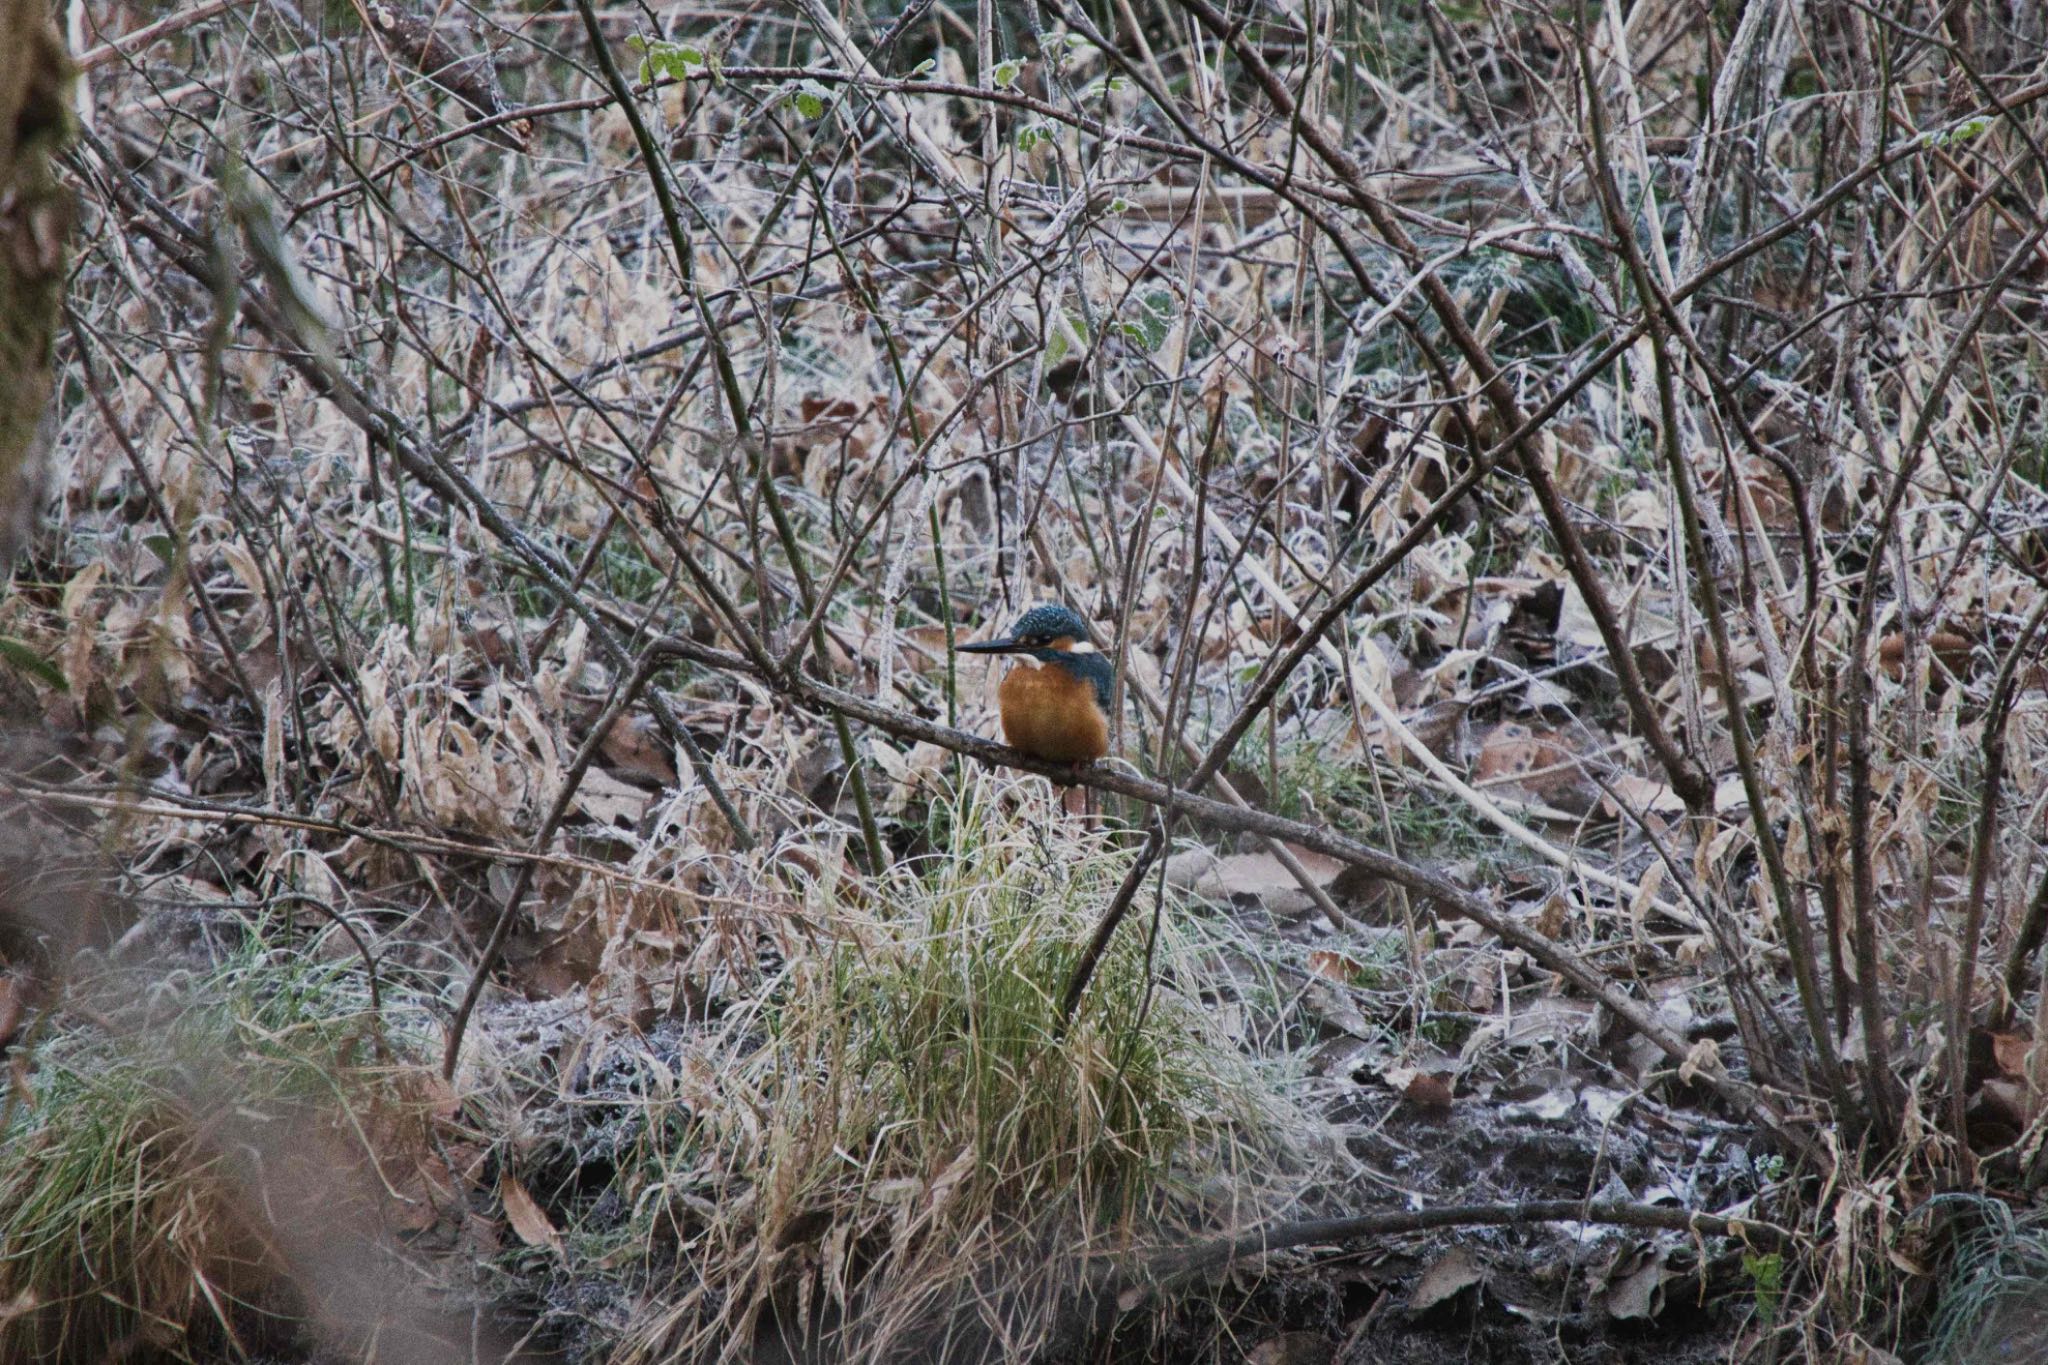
x=1544, y=1097
x=1730, y=796
x=1550, y=1020
x=1260, y=878
x=911, y=775
x=1637, y=1294
x=1334, y=967
x=1333, y=1006
x=1536, y=767
x=1293, y=1348
x=1341, y=1056
x=1453, y=1274
x=1951, y=653
x=1259, y=874
x=1428, y=1095
x=1442, y=728
x=608, y=801
x=1429, y=1091
x=1643, y=795
x=1185, y=869
x=528, y=1220
x=634, y=749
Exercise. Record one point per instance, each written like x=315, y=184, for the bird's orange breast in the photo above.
x=1050, y=713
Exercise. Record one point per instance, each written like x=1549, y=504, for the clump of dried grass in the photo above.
x=164, y=1161
x=899, y=1143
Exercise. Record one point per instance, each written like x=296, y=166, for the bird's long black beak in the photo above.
x=1010, y=646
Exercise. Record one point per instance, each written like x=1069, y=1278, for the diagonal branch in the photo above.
x=1433, y=886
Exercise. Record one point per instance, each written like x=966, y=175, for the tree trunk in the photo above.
x=36, y=211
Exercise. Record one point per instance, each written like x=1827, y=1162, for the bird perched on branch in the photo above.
x=1056, y=709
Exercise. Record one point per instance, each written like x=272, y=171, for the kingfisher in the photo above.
x=1058, y=708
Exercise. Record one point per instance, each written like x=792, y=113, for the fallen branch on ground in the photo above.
x=1333, y=1231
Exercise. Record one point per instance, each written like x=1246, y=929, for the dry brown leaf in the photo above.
x=608, y=801
x=1334, y=1008
x=1534, y=766
x=1340, y=1056
x=1186, y=869
x=1646, y=893
x=1292, y=1348
x=1730, y=796
x=912, y=774
x=14, y=991
x=1951, y=651
x=527, y=1218
x=1452, y=1275
x=1428, y=1095
x=1642, y=794
x=946, y=1184
x=1549, y=1020
x=1261, y=875
x=633, y=747
x=1638, y=1294
x=1641, y=509
x=1334, y=966
x=2009, y=1053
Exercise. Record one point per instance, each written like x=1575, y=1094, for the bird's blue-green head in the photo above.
x=1058, y=636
